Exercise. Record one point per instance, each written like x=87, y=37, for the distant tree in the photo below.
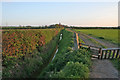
x=119, y=27
x=28, y=26
x=20, y=26
x=57, y=25
x=46, y=26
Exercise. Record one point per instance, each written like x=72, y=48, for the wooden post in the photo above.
x=77, y=38
x=99, y=53
x=117, y=53
x=109, y=54
x=106, y=54
x=98, y=56
x=113, y=54
x=102, y=54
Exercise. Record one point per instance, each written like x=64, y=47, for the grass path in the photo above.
x=100, y=68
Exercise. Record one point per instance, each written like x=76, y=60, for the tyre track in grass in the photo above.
x=101, y=41
x=100, y=68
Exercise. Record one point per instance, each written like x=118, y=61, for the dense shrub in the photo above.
x=73, y=70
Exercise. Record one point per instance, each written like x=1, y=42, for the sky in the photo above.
x=90, y=14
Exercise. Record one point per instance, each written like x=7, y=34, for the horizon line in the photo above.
x=56, y=23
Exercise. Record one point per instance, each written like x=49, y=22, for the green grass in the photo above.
x=49, y=33
x=107, y=34
x=81, y=41
x=116, y=63
x=96, y=42
x=65, y=42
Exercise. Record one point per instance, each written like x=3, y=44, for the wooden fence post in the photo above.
x=106, y=54
x=117, y=53
x=102, y=54
x=99, y=53
x=109, y=54
x=113, y=54
x=77, y=39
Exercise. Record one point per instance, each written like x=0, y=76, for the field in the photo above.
x=29, y=53
x=25, y=41
x=31, y=48
x=107, y=34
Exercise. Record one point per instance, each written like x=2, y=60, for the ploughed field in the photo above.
x=106, y=34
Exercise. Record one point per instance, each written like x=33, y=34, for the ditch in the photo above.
x=38, y=72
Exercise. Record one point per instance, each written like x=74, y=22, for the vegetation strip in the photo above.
x=68, y=63
x=57, y=47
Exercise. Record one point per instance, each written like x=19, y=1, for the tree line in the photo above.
x=57, y=26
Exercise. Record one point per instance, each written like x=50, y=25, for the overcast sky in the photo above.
x=70, y=13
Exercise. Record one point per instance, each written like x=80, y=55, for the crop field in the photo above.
x=20, y=42
x=107, y=34
x=22, y=47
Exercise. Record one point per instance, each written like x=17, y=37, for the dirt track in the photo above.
x=102, y=42
x=100, y=68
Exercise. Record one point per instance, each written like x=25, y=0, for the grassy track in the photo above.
x=107, y=34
